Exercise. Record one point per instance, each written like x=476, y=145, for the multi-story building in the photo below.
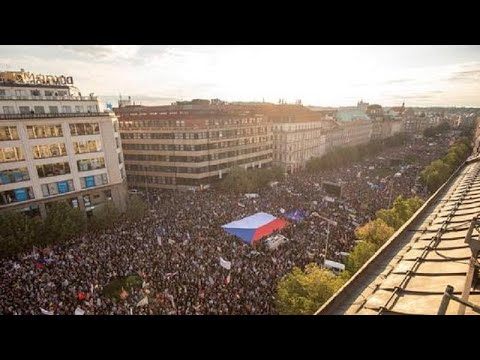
x=191, y=145
x=55, y=144
x=294, y=143
x=298, y=134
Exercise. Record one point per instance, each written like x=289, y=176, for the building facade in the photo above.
x=294, y=143
x=192, y=144
x=55, y=144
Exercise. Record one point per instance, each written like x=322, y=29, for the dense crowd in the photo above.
x=181, y=269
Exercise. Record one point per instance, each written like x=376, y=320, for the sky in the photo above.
x=320, y=75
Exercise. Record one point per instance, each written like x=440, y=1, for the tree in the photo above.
x=304, y=292
x=401, y=211
x=19, y=232
x=136, y=207
x=375, y=232
x=237, y=180
x=359, y=255
x=62, y=223
x=105, y=217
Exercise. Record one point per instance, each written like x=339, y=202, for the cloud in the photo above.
x=398, y=81
x=467, y=73
x=104, y=52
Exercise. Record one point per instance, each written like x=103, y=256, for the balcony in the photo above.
x=52, y=115
x=39, y=97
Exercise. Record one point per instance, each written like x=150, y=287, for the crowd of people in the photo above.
x=180, y=264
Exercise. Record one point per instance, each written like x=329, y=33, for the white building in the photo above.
x=56, y=145
x=294, y=143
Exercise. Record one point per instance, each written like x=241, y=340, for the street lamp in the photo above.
x=329, y=221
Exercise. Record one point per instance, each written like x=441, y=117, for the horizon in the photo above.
x=322, y=76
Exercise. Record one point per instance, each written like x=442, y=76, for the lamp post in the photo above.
x=146, y=184
x=332, y=222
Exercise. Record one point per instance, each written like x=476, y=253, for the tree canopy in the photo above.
x=303, y=292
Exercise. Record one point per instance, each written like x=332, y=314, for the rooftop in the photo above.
x=411, y=272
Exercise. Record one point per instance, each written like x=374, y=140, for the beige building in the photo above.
x=55, y=144
x=346, y=134
x=294, y=143
x=191, y=144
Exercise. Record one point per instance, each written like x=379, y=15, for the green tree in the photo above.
x=304, y=292
x=19, y=232
x=62, y=223
x=136, y=207
x=105, y=217
x=375, y=232
x=237, y=180
x=359, y=255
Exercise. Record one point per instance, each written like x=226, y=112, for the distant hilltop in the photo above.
x=322, y=108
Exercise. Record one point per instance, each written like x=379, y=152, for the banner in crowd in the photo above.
x=225, y=264
x=79, y=311
x=143, y=302
x=46, y=312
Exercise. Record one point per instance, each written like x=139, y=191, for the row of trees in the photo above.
x=304, y=292
x=241, y=180
x=435, y=174
x=347, y=155
x=436, y=130
x=21, y=232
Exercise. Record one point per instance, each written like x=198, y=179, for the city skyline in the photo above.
x=318, y=75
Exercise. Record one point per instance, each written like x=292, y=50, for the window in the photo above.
x=8, y=133
x=14, y=175
x=117, y=142
x=2, y=93
x=115, y=125
x=9, y=154
x=16, y=195
x=50, y=150
x=88, y=146
x=39, y=110
x=91, y=164
x=8, y=110
x=53, y=109
x=120, y=160
x=48, y=93
x=56, y=188
x=62, y=93
x=78, y=108
x=24, y=109
x=79, y=129
x=92, y=181
x=44, y=131
x=66, y=109
x=35, y=92
x=53, y=169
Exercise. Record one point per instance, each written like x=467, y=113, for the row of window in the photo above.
x=63, y=168
x=47, y=131
x=200, y=147
x=15, y=153
x=53, y=109
x=66, y=109
x=152, y=123
x=193, y=170
x=222, y=134
x=35, y=92
x=51, y=189
x=200, y=158
x=56, y=188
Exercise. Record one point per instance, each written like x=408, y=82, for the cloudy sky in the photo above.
x=318, y=75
